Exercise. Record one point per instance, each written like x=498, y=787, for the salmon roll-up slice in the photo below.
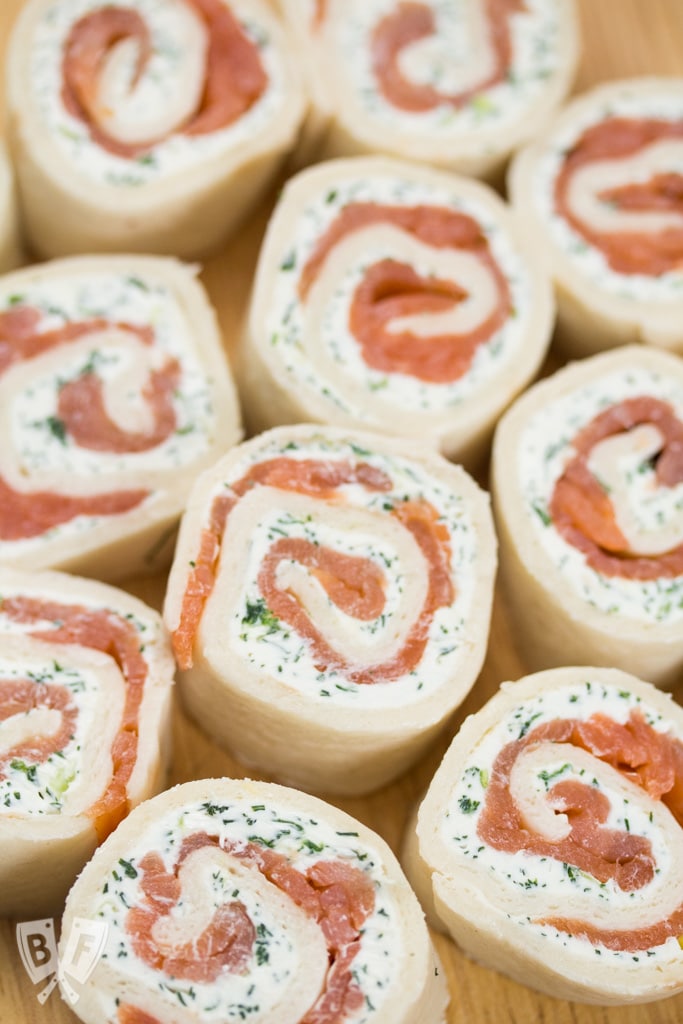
x=239, y=900
x=588, y=495
x=147, y=125
x=114, y=394
x=458, y=85
x=329, y=603
x=395, y=298
x=85, y=694
x=601, y=194
x=551, y=835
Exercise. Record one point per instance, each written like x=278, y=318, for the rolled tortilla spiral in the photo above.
x=588, y=483
x=551, y=833
x=246, y=894
x=385, y=291
x=329, y=569
x=601, y=195
x=114, y=390
x=460, y=84
x=85, y=683
x=139, y=126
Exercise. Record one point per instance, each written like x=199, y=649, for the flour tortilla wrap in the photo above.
x=550, y=836
x=592, y=193
x=396, y=298
x=329, y=602
x=459, y=85
x=587, y=489
x=147, y=127
x=85, y=695
x=271, y=899
x=114, y=393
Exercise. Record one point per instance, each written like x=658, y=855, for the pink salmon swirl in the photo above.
x=586, y=511
x=233, y=77
x=633, y=215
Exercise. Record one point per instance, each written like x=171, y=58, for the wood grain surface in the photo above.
x=621, y=38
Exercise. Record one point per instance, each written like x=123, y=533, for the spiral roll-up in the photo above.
x=144, y=126
x=588, y=495
x=601, y=197
x=550, y=836
x=462, y=85
x=114, y=393
x=396, y=298
x=242, y=899
x=85, y=685
x=329, y=603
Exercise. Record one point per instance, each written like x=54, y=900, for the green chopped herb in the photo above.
x=258, y=613
x=128, y=868
x=467, y=805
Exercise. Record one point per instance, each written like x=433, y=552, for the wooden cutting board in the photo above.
x=621, y=38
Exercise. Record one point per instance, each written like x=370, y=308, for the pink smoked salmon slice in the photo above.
x=628, y=252
x=235, y=77
x=390, y=290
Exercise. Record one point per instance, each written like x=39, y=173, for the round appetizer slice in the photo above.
x=601, y=195
x=114, y=393
x=85, y=691
x=394, y=297
x=588, y=491
x=239, y=900
x=458, y=84
x=329, y=602
x=146, y=126
x=551, y=836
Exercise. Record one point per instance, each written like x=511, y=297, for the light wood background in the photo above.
x=621, y=38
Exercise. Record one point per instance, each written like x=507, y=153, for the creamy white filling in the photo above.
x=457, y=58
x=31, y=787
x=586, y=258
x=304, y=841
x=542, y=887
x=42, y=454
x=123, y=300
x=544, y=450
x=270, y=645
x=153, y=97
x=58, y=784
x=329, y=362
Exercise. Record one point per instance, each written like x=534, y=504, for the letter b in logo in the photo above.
x=38, y=951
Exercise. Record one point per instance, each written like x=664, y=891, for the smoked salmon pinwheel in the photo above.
x=459, y=85
x=239, y=900
x=147, y=125
x=329, y=603
x=551, y=836
x=85, y=689
x=601, y=194
x=114, y=393
x=588, y=494
x=396, y=298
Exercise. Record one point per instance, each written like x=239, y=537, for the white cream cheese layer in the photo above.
x=42, y=454
x=544, y=450
x=69, y=780
x=542, y=887
x=665, y=156
x=357, y=523
x=311, y=339
x=304, y=841
x=453, y=60
x=175, y=75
